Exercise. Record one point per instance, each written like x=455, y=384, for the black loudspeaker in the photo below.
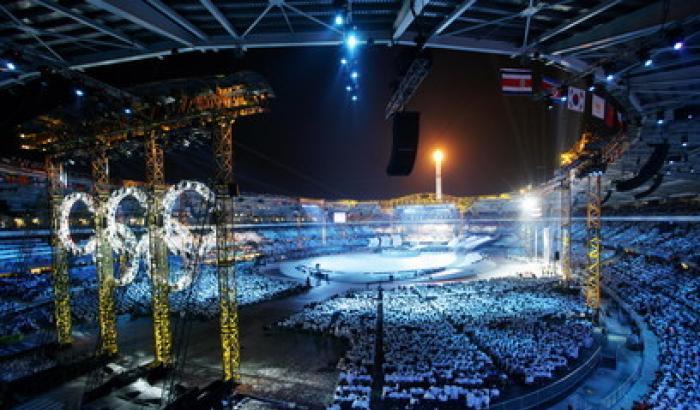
x=648, y=170
x=556, y=255
x=405, y=144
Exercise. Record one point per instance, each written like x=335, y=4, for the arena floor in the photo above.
x=279, y=365
x=369, y=267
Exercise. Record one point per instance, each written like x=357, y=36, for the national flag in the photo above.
x=550, y=87
x=598, y=107
x=516, y=81
x=576, y=100
x=610, y=116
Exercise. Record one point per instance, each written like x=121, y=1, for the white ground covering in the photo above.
x=373, y=267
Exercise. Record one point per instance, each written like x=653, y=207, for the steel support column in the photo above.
x=225, y=254
x=104, y=259
x=593, y=224
x=59, y=256
x=158, y=262
x=565, y=220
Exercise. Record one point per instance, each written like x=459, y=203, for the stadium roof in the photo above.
x=579, y=34
x=582, y=36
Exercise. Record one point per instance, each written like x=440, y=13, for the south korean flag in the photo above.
x=576, y=100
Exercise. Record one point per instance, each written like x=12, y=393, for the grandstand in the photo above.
x=139, y=268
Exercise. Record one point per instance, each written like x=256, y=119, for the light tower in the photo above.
x=438, y=156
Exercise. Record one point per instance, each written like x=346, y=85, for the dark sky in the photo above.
x=315, y=142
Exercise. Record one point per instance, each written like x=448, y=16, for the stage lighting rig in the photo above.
x=411, y=79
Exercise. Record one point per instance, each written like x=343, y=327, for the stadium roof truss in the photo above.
x=577, y=34
x=584, y=37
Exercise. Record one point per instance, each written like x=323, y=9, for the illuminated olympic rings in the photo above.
x=122, y=238
x=177, y=236
x=64, y=227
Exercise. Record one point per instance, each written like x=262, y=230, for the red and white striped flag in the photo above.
x=516, y=81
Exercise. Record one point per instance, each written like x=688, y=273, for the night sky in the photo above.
x=315, y=142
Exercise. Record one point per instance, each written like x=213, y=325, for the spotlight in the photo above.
x=563, y=98
x=351, y=41
x=660, y=121
x=648, y=62
x=79, y=92
x=591, y=88
x=354, y=98
x=354, y=75
x=343, y=61
x=127, y=111
x=348, y=88
x=10, y=66
x=530, y=207
x=339, y=20
x=550, y=107
x=684, y=140
x=678, y=45
x=610, y=77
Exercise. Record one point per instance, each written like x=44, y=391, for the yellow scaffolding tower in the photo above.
x=104, y=259
x=155, y=177
x=225, y=254
x=593, y=224
x=59, y=256
x=565, y=220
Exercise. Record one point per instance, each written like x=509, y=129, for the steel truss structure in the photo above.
x=565, y=221
x=572, y=33
x=595, y=243
x=59, y=255
x=225, y=254
x=155, y=178
x=207, y=103
x=104, y=257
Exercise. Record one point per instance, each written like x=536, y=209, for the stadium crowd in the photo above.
x=667, y=298
x=27, y=311
x=354, y=317
x=449, y=346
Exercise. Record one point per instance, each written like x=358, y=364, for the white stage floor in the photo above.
x=374, y=267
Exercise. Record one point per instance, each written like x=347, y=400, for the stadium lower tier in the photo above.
x=468, y=344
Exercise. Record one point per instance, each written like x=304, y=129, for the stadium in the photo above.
x=349, y=204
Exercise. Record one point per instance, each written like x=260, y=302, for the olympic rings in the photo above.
x=64, y=227
x=177, y=236
x=121, y=238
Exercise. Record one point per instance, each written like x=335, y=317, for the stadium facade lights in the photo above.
x=530, y=206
